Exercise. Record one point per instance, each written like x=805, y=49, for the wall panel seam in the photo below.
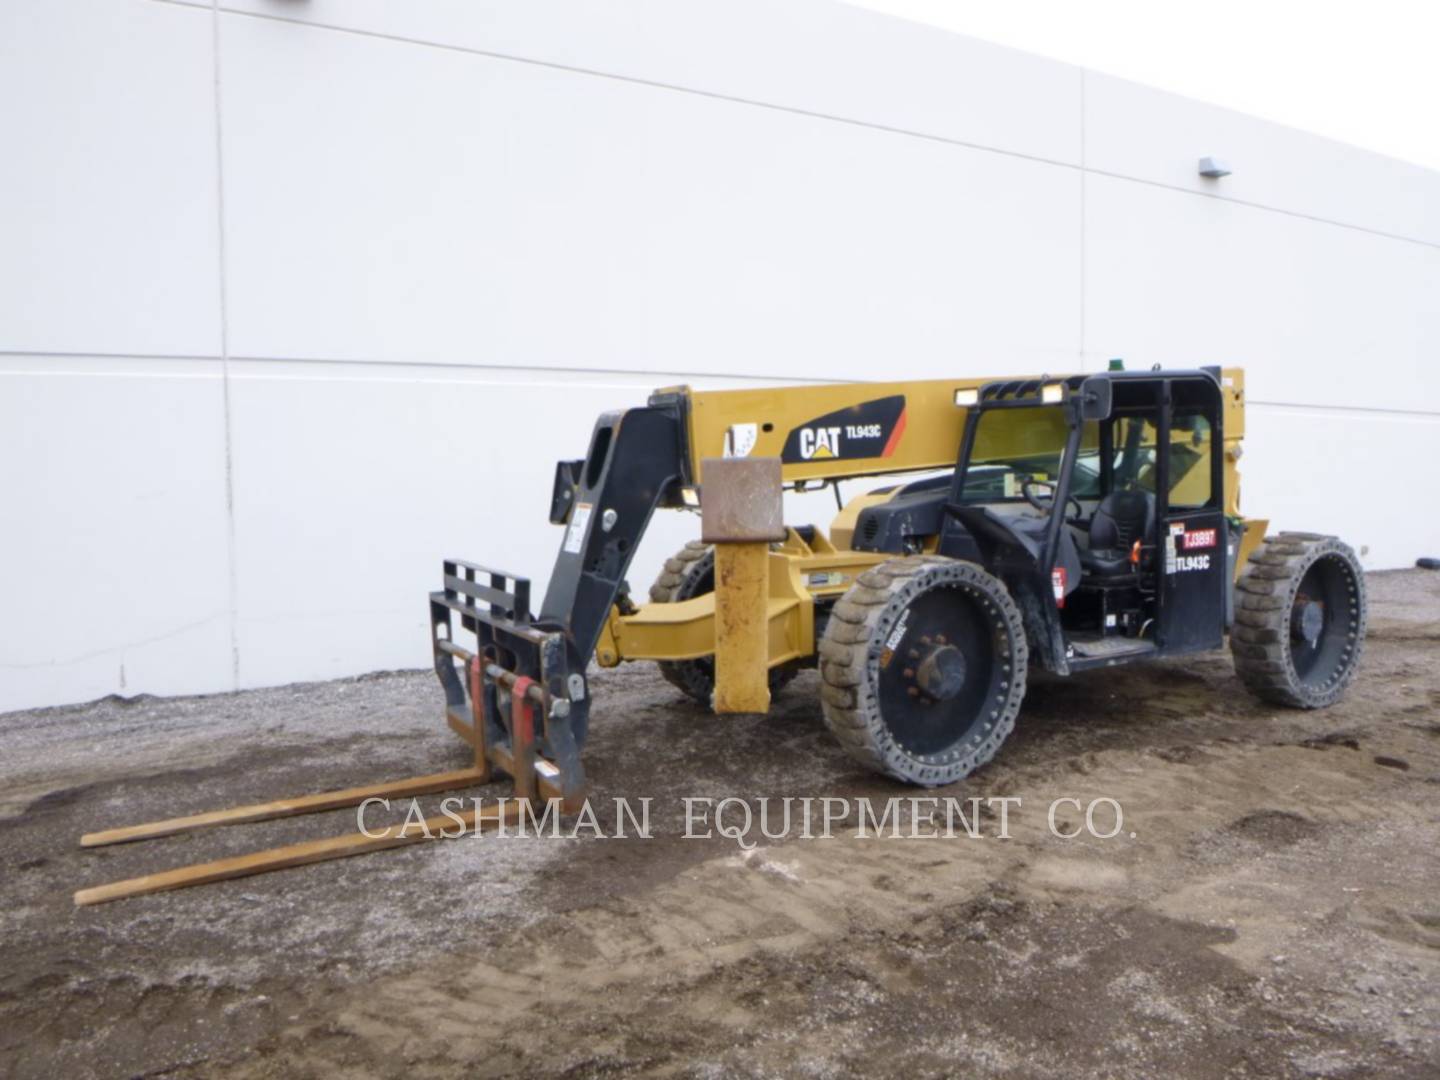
x=814, y=114
x=637, y=80
x=1267, y=207
x=416, y=369
x=232, y=577
x=1353, y=410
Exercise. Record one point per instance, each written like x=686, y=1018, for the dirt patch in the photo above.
x=1275, y=828
x=1268, y=907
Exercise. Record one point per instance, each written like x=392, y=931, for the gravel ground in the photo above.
x=1269, y=908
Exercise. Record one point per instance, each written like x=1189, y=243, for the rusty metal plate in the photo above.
x=740, y=501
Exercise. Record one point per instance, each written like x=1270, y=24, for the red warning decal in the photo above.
x=1057, y=583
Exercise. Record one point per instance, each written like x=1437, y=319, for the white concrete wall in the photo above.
x=297, y=298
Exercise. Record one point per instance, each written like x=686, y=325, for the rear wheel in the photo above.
x=924, y=664
x=688, y=574
x=1299, y=620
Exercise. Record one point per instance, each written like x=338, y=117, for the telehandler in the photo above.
x=1067, y=523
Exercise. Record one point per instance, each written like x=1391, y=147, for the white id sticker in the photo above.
x=575, y=534
x=898, y=634
x=740, y=439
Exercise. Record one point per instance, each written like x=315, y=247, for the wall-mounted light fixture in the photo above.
x=1214, y=167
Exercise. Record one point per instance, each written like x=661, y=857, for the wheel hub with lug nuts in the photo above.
x=936, y=670
x=1307, y=621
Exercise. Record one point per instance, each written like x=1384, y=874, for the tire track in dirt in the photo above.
x=796, y=904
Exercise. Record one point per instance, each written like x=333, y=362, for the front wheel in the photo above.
x=924, y=663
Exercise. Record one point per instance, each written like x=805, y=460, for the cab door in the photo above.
x=1192, y=562
x=1193, y=569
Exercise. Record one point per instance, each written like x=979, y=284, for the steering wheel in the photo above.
x=1044, y=505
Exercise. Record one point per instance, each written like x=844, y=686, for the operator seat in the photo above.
x=1121, y=518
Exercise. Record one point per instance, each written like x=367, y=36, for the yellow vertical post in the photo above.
x=741, y=514
x=742, y=646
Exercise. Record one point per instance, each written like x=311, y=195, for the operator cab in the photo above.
x=1087, y=496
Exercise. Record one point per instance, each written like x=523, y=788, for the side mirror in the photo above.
x=1094, y=398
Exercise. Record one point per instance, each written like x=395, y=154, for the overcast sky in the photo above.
x=1366, y=73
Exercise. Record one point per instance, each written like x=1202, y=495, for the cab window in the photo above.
x=1015, y=445
x=1134, y=440
x=1191, y=443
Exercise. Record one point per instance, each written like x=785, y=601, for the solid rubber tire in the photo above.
x=1261, y=641
x=850, y=658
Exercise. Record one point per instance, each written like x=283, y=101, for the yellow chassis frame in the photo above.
x=799, y=572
